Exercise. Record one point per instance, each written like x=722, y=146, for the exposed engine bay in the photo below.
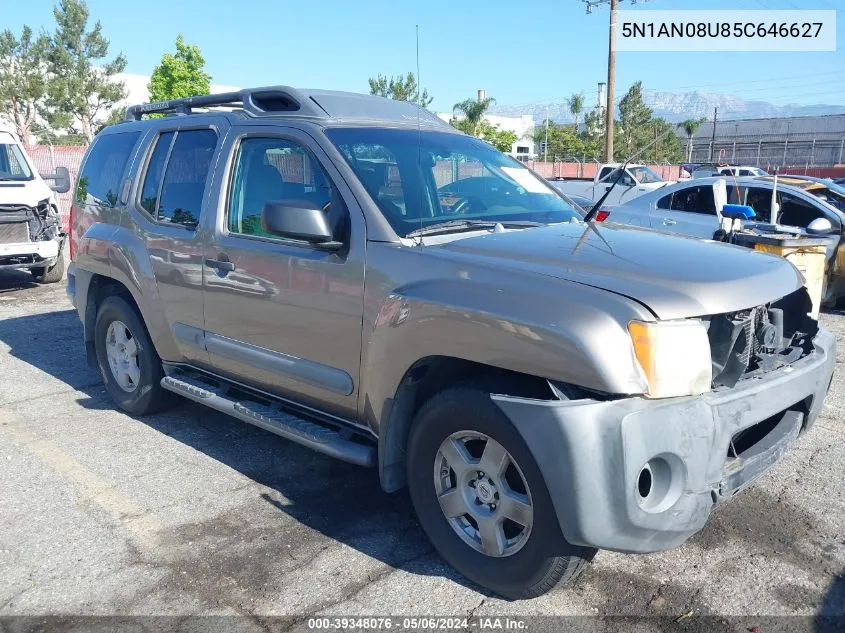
x=753, y=342
x=20, y=222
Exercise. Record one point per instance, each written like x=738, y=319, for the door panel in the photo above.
x=687, y=223
x=280, y=314
x=687, y=211
x=169, y=201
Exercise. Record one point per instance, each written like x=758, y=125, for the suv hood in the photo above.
x=674, y=276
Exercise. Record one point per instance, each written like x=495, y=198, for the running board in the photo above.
x=319, y=438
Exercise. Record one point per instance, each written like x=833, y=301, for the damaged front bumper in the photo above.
x=638, y=475
x=29, y=254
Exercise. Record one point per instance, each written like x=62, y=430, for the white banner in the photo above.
x=709, y=30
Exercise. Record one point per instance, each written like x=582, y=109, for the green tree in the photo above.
x=81, y=85
x=575, y=102
x=180, y=75
x=634, y=130
x=502, y=140
x=593, y=134
x=400, y=88
x=563, y=140
x=690, y=126
x=472, y=111
x=667, y=146
x=115, y=116
x=23, y=84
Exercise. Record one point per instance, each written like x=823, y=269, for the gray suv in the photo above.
x=354, y=275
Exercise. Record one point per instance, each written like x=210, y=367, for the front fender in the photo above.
x=569, y=332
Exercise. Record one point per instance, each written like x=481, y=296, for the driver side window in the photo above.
x=273, y=169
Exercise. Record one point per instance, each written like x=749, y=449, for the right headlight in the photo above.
x=674, y=357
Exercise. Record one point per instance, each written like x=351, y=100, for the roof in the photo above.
x=286, y=102
x=795, y=181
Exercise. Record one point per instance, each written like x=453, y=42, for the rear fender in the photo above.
x=118, y=253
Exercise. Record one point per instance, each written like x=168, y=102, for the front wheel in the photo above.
x=482, y=500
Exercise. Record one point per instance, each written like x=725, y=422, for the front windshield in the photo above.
x=421, y=178
x=13, y=166
x=644, y=175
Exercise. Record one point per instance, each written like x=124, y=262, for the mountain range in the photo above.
x=676, y=107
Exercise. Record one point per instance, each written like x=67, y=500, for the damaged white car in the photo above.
x=31, y=232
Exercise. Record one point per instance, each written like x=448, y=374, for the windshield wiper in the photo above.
x=452, y=226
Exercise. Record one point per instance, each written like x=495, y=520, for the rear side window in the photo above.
x=99, y=182
x=176, y=176
x=155, y=170
x=692, y=200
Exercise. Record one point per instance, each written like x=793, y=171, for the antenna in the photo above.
x=419, y=97
x=419, y=135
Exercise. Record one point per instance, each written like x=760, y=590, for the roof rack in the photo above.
x=273, y=101
x=254, y=101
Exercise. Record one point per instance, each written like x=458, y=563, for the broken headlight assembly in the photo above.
x=673, y=356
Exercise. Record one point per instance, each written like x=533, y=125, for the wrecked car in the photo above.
x=544, y=386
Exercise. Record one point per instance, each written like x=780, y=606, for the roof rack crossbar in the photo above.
x=255, y=101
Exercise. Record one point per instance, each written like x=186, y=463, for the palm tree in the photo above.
x=576, y=106
x=689, y=127
x=473, y=111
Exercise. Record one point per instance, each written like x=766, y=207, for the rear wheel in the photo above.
x=128, y=362
x=482, y=500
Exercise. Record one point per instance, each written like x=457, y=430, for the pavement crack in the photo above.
x=472, y=610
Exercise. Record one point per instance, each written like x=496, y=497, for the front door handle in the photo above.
x=669, y=221
x=220, y=264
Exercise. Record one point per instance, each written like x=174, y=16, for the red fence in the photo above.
x=47, y=157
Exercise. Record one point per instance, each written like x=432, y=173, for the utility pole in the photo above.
x=713, y=136
x=610, y=107
x=610, y=110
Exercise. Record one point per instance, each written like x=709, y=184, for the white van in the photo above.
x=31, y=232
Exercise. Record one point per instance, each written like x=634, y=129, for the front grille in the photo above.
x=14, y=232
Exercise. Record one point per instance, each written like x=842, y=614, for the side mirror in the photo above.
x=61, y=180
x=299, y=220
x=820, y=226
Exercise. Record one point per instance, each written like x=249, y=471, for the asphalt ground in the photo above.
x=190, y=512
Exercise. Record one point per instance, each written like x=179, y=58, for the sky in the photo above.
x=520, y=51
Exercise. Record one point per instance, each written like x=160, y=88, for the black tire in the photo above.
x=148, y=396
x=546, y=559
x=51, y=275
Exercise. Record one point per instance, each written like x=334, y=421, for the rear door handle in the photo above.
x=669, y=221
x=221, y=265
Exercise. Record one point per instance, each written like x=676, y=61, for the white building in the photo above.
x=522, y=126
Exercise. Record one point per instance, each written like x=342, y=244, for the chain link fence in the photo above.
x=46, y=158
